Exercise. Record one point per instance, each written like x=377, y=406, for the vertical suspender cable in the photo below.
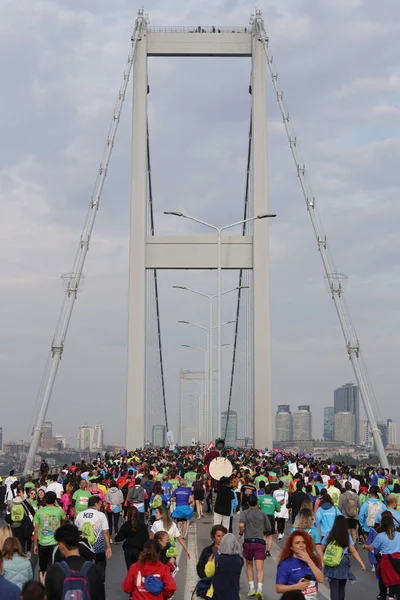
x=156, y=286
x=75, y=276
x=334, y=279
x=241, y=274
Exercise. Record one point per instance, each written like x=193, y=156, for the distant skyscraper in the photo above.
x=345, y=427
x=1, y=439
x=302, y=423
x=231, y=433
x=365, y=434
x=283, y=424
x=159, y=434
x=383, y=428
x=85, y=438
x=98, y=440
x=392, y=432
x=347, y=399
x=329, y=423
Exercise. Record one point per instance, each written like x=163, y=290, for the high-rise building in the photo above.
x=98, y=441
x=365, y=434
x=383, y=428
x=283, y=424
x=345, y=427
x=231, y=432
x=1, y=439
x=86, y=438
x=302, y=423
x=159, y=434
x=347, y=399
x=329, y=423
x=392, y=432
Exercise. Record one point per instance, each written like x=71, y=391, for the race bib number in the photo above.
x=310, y=593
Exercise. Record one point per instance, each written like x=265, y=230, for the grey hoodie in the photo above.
x=114, y=496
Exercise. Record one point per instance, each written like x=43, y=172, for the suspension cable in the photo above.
x=241, y=274
x=160, y=352
x=74, y=278
x=333, y=278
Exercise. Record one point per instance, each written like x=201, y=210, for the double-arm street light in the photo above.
x=209, y=331
x=219, y=231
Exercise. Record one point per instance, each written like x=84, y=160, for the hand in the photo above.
x=363, y=567
x=108, y=553
x=187, y=555
x=303, y=555
x=303, y=584
x=35, y=549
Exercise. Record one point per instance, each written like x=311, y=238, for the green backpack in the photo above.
x=333, y=555
x=88, y=533
x=17, y=513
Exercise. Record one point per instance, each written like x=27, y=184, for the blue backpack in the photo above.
x=153, y=584
x=76, y=585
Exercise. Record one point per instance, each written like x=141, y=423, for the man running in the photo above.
x=254, y=525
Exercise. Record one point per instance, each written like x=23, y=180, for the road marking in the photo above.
x=191, y=573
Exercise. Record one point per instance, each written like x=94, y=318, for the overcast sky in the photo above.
x=61, y=62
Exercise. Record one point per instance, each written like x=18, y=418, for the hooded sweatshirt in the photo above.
x=134, y=581
x=114, y=497
x=325, y=517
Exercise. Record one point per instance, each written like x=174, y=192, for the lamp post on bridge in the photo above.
x=209, y=416
x=210, y=298
x=219, y=231
x=208, y=369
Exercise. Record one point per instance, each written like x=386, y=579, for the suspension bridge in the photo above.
x=241, y=247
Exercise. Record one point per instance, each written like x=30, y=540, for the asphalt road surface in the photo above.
x=366, y=586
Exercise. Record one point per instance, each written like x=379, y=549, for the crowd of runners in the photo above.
x=59, y=531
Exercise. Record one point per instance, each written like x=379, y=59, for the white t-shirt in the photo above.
x=158, y=526
x=356, y=484
x=57, y=488
x=99, y=522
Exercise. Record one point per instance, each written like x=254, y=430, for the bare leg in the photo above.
x=249, y=570
x=260, y=570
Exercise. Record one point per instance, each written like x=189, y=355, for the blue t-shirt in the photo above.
x=166, y=488
x=345, y=550
x=395, y=513
x=182, y=496
x=291, y=570
x=383, y=544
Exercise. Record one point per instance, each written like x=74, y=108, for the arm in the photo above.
x=353, y=552
x=35, y=539
x=316, y=571
x=106, y=534
x=169, y=585
x=121, y=535
x=202, y=563
x=182, y=543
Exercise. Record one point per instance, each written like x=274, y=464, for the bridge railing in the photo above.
x=198, y=29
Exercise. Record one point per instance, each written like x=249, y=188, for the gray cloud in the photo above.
x=61, y=63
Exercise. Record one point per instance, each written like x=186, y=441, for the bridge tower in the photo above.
x=199, y=252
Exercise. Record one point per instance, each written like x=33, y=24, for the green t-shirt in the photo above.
x=190, y=477
x=258, y=479
x=286, y=481
x=81, y=498
x=268, y=504
x=159, y=477
x=49, y=519
x=174, y=482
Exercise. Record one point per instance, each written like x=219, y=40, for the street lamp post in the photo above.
x=208, y=370
x=210, y=298
x=219, y=231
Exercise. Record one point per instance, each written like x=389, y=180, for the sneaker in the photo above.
x=252, y=594
x=111, y=541
x=279, y=536
x=268, y=553
x=259, y=596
